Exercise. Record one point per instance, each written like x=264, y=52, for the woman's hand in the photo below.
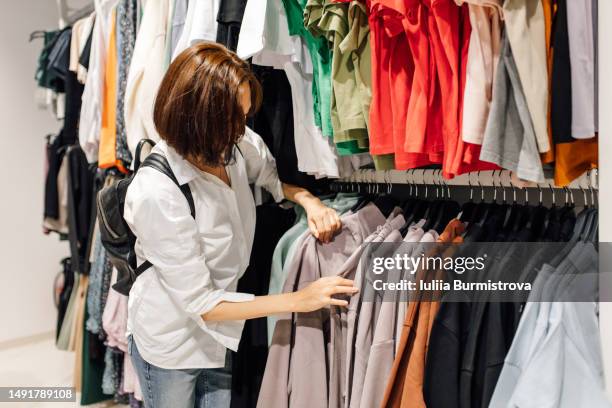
x=319, y=294
x=323, y=221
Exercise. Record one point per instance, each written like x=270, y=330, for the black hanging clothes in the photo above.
x=561, y=81
x=229, y=20
x=249, y=362
x=274, y=122
x=80, y=206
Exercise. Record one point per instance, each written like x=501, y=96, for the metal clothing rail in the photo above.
x=483, y=186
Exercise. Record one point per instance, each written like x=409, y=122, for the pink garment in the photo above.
x=483, y=54
x=114, y=322
x=114, y=317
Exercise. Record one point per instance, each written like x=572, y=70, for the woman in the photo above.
x=184, y=313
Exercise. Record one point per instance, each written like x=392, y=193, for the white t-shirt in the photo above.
x=269, y=44
x=200, y=24
x=582, y=58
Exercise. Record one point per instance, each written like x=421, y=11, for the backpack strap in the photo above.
x=160, y=163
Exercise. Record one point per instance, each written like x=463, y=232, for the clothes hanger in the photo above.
x=467, y=209
x=433, y=207
x=409, y=205
x=449, y=210
x=419, y=208
x=592, y=218
x=385, y=202
x=36, y=34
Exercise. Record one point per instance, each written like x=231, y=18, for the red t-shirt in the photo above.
x=392, y=78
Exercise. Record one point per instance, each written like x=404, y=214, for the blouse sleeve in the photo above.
x=168, y=237
x=260, y=165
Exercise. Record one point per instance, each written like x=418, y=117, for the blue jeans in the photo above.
x=190, y=388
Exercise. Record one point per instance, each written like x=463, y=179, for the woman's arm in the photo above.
x=313, y=297
x=322, y=220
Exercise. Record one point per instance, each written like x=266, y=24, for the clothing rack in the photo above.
x=486, y=185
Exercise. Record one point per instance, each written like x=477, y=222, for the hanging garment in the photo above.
x=548, y=330
x=356, y=342
x=561, y=80
x=274, y=122
x=90, y=123
x=78, y=335
x=524, y=23
x=200, y=24
x=483, y=54
x=321, y=50
x=270, y=44
x=249, y=362
x=42, y=76
x=83, y=64
x=175, y=28
x=92, y=368
x=405, y=386
x=63, y=340
x=347, y=114
x=572, y=157
x=64, y=296
x=547, y=6
x=291, y=378
x=392, y=73
x=145, y=74
x=509, y=139
x=290, y=241
x=126, y=30
x=582, y=55
x=229, y=20
x=58, y=61
x=107, y=154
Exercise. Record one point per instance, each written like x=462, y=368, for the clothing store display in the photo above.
x=289, y=242
x=509, y=139
x=90, y=122
x=229, y=20
x=561, y=103
x=64, y=296
x=200, y=24
x=524, y=24
x=146, y=72
x=126, y=23
x=451, y=87
x=483, y=55
x=249, y=362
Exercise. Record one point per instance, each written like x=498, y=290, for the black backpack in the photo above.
x=116, y=236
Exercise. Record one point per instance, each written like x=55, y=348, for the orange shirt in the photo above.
x=107, y=154
x=405, y=385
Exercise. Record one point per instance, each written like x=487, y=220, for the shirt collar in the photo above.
x=182, y=169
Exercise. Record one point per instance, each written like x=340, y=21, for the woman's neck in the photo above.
x=218, y=171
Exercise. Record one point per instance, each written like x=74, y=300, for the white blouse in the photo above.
x=196, y=263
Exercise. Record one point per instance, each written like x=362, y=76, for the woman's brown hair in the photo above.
x=197, y=109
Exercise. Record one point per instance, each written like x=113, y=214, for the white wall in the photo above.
x=29, y=260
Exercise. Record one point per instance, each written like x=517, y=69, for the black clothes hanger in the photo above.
x=450, y=210
x=477, y=219
x=433, y=207
x=413, y=207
